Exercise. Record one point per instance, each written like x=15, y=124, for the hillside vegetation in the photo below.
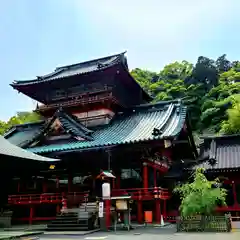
x=210, y=88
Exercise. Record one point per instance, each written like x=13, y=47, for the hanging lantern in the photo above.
x=52, y=167
x=106, y=190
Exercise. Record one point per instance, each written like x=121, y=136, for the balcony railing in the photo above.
x=75, y=198
x=143, y=193
x=75, y=102
x=49, y=198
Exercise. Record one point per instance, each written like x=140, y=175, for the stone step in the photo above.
x=81, y=228
x=59, y=221
x=51, y=225
x=66, y=218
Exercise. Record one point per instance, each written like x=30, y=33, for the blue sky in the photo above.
x=37, y=36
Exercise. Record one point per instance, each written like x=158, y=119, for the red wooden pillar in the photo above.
x=118, y=182
x=113, y=183
x=139, y=211
x=155, y=177
x=31, y=215
x=44, y=185
x=145, y=176
x=108, y=213
x=164, y=209
x=158, y=210
x=234, y=193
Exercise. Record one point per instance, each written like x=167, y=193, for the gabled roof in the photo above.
x=31, y=87
x=163, y=120
x=8, y=149
x=76, y=69
x=26, y=134
x=225, y=150
x=20, y=135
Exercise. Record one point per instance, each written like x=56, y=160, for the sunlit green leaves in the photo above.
x=19, y=118
x=232, y=124
x=199, y=196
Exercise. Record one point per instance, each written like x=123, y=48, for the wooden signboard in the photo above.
x=121, y=205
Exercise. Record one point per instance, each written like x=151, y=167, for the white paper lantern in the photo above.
x=106, y=190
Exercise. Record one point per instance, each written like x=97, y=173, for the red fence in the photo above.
x=77, y=197
x=49, y=198
x=143, y=193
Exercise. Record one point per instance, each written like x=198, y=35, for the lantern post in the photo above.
x=106, y=193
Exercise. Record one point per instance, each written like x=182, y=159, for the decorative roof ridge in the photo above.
x=10, y=131
x=66, y=67
x=89, y=61
x=219, y=137
x=17, y=126
x=153, y=106
x=30, y=123
x=159, y=103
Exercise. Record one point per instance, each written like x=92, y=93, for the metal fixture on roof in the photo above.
x=212, y=161
x=156, y=132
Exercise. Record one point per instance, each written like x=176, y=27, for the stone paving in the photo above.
x=148, y=234
x=140, y=233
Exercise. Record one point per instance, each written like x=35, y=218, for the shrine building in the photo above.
x=98, y=121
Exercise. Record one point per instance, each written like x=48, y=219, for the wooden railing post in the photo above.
x=145, y=176
x=31, y=215
x=234, y=193
x=139, y=208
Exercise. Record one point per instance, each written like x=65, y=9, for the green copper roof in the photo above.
x=20, y=137
x=135, y=125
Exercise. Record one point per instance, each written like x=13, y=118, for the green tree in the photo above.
x=201, y=196
x=19, y=118
x=205, y=88
x=144, y=77
x=23, y=117
x=176, y=70
x=223, y=64
x=204, y=72
x=232, y=124
x=3, y=127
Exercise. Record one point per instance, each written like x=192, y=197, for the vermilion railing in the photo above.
x=143, y=193
x=77, y=197
x=54, y=198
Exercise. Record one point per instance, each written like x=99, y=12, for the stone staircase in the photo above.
x=77, y=219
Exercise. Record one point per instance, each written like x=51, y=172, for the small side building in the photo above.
x=224, y=163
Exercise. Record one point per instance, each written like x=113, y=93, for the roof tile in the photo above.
x=76, y=69
x=226, y=153
x=131, y=128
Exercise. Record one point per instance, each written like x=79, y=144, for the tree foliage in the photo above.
x=232, y=124
x=207, y=88
x=201, y=196
x=19, y=118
